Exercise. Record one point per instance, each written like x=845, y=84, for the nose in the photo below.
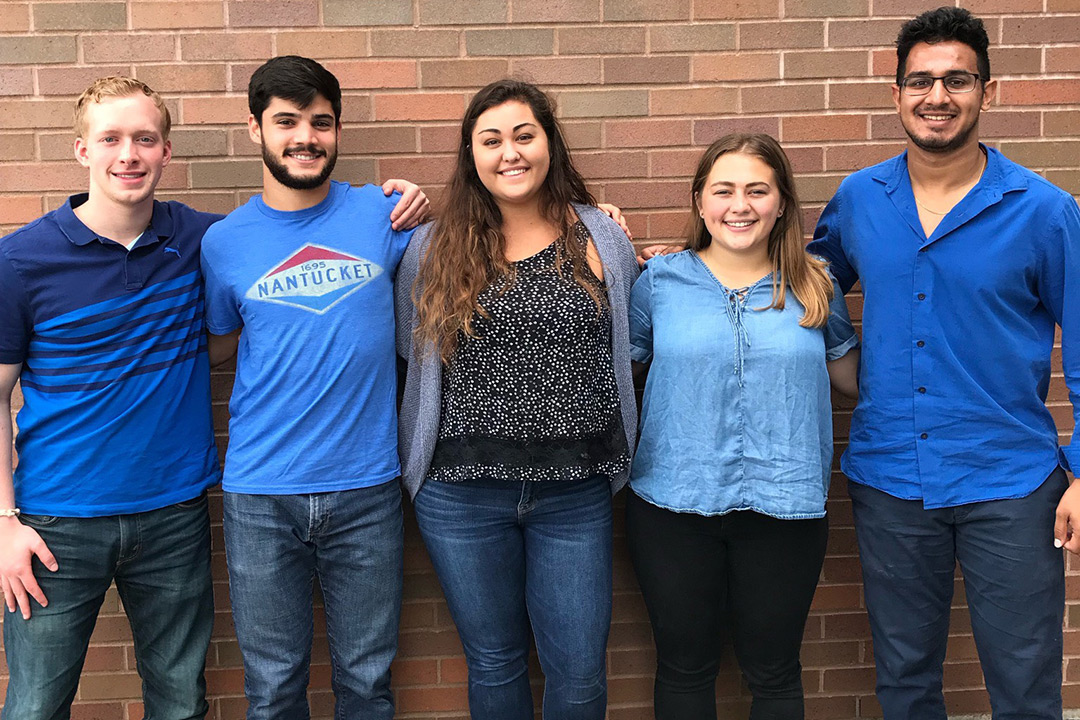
x=127, y=150
x=303, y=133
x=738, y=202
x=938, y=94
x=510, y=152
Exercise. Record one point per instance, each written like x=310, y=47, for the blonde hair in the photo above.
x=118, y=86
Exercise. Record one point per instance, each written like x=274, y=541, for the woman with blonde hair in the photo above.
x=743, y=332
x=518, y=417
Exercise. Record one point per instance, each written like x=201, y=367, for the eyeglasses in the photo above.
x=961, y=82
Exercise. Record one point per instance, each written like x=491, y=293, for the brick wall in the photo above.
x=642, y=85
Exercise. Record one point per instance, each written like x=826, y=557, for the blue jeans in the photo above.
x=276, y=545
x=160, y=561
x=1015, y=584
x=508, y=553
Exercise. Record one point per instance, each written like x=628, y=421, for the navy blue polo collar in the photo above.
x=161, y=223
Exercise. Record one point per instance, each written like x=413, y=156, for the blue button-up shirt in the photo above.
x=737, y=414
x=958, y=330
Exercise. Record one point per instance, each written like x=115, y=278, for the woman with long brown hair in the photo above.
x=518, y=418
x=743, y=332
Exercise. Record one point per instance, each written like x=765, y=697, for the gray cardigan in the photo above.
x=418, y=421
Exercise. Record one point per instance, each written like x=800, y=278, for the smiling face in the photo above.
x=510, y=151
x=124, y=147
x=941, y=121
x=739, y=203
x=299, y=145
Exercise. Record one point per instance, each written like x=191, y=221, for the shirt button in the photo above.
x=922, y=296
x=924, y=436
x=920, y=343
x=922, y=390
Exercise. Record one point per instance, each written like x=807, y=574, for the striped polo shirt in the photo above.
x=115, y=376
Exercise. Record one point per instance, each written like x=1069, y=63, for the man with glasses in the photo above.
x=967, y=263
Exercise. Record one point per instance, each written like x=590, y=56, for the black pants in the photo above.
x=697, y=574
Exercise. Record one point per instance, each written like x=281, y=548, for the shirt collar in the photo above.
x=999, y=177
x=161, y=224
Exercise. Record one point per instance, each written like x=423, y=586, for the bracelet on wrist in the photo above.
x=10, y=512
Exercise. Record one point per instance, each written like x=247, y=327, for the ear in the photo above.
x=81, y=152
x=697, y=202
x=896, y=96
x=168, y=153
x=254, y=130
x=990, y=90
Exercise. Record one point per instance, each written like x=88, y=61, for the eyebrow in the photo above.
x=498, y=132
x=729, y=182
x=118, y=131
x=290, y=114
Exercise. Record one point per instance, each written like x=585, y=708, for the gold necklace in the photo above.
x=942, y=214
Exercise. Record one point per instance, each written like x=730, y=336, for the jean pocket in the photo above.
x=38, y=521
x=195, y=502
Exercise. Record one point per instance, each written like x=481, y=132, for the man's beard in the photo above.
x=939, y=144
x=304, y=182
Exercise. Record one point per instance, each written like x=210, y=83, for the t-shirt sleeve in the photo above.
x=16, y=323
x=222, y=310
x=840, y=335
x=641, y=340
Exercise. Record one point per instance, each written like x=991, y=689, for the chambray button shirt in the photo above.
x=737, y=412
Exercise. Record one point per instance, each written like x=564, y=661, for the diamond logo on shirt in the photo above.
x=314, y=278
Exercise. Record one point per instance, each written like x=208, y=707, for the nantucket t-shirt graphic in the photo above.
x=315, y=278
x=313, y=404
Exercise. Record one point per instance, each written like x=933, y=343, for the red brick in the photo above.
x=698, y=37
x=362, y=74
x=1058, y=29
x=16, y=81
x=706, y=131
x=673, y=163
x=426, y=170
x=1040, y=92
x=645, y=193
x=467, y=73
x=693, y=101
x=19, y=146
x=440, y=138
x=736, y=66
x=609, y=164
x=646, y=10
x=638, y=70
x=1018, y=61
x=337, y=43
x=22, y=114
x=824, y=128
x=19, y=209
x=79, y=16
x=214, y=110
x=826, y=64
x=646, y=133
x=863, y=33
x=414, y=43
x=73, y=80
x=791, y=34
x=443, y=698
x=184, y=77
x=833, y=8
x=735, y=9
x=15, y=17
x=557, y=70
x=1005, y=7
x=177, y=15
x=1042, y=153
x=429, y=106
x=782, y=98
x=128, y=48
x=225, y=46
x=1062, y=60
x=273, y=13
x=859, y=95
x=1061, y=122
x=542, y=11
x=603, y=40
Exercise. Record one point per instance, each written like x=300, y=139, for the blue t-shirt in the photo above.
x=958, y=331
x=737, y=412
x=115, y=378
x=313, y=406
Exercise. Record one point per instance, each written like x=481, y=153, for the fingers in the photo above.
x=1061, y=527
x=9, y=596
x=29, y=585
x=45, y=555
x=412, y=215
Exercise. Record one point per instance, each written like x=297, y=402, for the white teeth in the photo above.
x=741, y=223
x=515, y=171
x=937, y=117
x=304, y=157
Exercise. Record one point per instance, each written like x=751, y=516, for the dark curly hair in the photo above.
x=942, y=25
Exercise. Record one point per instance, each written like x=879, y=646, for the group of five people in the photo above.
x=524, y=323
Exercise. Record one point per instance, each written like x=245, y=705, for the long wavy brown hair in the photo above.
x=467, y=252
x=792, y=266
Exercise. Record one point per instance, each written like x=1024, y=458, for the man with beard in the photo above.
x=300, y=280
x=967, y=262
